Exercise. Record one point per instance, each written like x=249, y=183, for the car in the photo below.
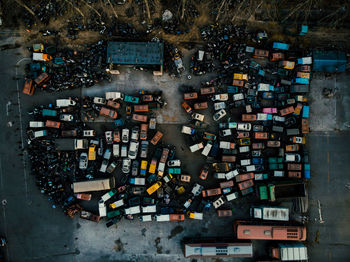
x=290, y=157
x=144, y=149
x=83, y=161
x=104, y=165
x=108, y=113
x=152, y=123
x=116, y=136
x=135, y=133
x=244, y=127
x=133, y=149
x=220, y=97
x=187, y=108
x=143, y=132
x=219, y=106
x=135, y=168
x=125, y=135
x=204, y=172
x=174, y=163
x=126, y=165
x=112, y=166
x=66, y=117
x=99, y=101
x=199, y=117
x=89, y=133
x=109, y=137
x=218, y=115
x=225, y=132
x=197, y=189
x=218, y=202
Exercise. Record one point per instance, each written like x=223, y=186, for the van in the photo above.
x=230, y=159
x=292, y=131
x=146, y=218
x=65, y=103
x=116, y=150
x=227, y=184
x=124, y=151
x=287, y=111
x=117, y=204
x=114, y=95
x=149, y=209
x=227, y=145
x=207, y=149
x=41, y=79
x=244, y=149
x=156, y=138
x=132, y=210
x=162, y=218
x=139, y=118
x=36, y=124
x=53, y=124
x=187, y=130
x=196, y=147
x=193, y=95
x=93, y=185
x=102, y=208
x=231, y=174
x=250, y=168
x=133, y=149
x=141, y=108
x=154, y=187
x=211, y=192
x=220, y=175
x=245, y=162
x=92, y=153
x=232, y=196
x=28, y=87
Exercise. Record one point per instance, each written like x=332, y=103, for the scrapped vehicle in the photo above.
x=188, y=130
x=131, y=99
x=65, y=103
x=126, y=165
x=219, y=106
x=204, y=172
x=109, y=137
x=143, y=132
x=244, y=126
x=211, y=192
x=248, y=117
x=28, y=88
x=187, y=108
x=114, y=95
x=99, y=101
x=261, y=54
x=113, y=104
x=189, y=96
x=108, y=113
x=198, y=117
x=207, y=90
x=202, y=105
x=196, y=147
x=52, y=124
x=89, y=133
x=218, y=115
x=218, y=202
x=144, y=149
x=152, y=123
x=66, y=117
x=41, y=79
x=174, y=163
x=112, y=166
x=220, y=97
x=125, y=135
x=116, y=136
x=83, y=161
x=140, y=118
x=156, y=138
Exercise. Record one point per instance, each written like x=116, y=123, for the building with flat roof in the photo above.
x=141, y=54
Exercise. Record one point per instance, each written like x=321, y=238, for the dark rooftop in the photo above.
x=135, y=53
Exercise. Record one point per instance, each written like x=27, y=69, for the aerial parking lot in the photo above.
x=189, y=138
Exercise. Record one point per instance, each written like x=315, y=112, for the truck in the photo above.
x=93, y=185
x=282, y=189
x=290, y=252
x=41, y=57
x=70, y=144
x=270, y=213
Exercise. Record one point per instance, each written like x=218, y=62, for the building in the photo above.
x=329, y=61
x=142, y=54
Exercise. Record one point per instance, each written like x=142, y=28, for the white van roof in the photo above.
x=149, y=209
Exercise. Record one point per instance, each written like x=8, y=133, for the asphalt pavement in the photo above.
x=38, y=232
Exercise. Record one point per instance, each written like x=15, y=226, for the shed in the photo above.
x=135, y=53
x=329, y=61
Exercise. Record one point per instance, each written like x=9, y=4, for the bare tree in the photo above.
x=219, y=11
x=115, y=13
x=148, y=11
x=25, y=6
x=76, y=8
x=183, y=9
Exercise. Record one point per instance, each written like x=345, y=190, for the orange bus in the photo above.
x=271, y=232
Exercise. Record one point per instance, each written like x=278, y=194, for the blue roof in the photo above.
x=329, y=61
x=135, y=53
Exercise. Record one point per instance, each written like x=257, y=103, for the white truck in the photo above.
x=102, y=209
x=270, y=213
x=162, y=218
x=132, y=210
x=290, y=252
x=207, y=149
x=149, y=209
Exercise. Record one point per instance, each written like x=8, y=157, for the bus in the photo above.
x=93, y=185
x=248, y=230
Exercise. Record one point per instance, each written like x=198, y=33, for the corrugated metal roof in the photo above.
x=135, y=53
x=329, y=61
